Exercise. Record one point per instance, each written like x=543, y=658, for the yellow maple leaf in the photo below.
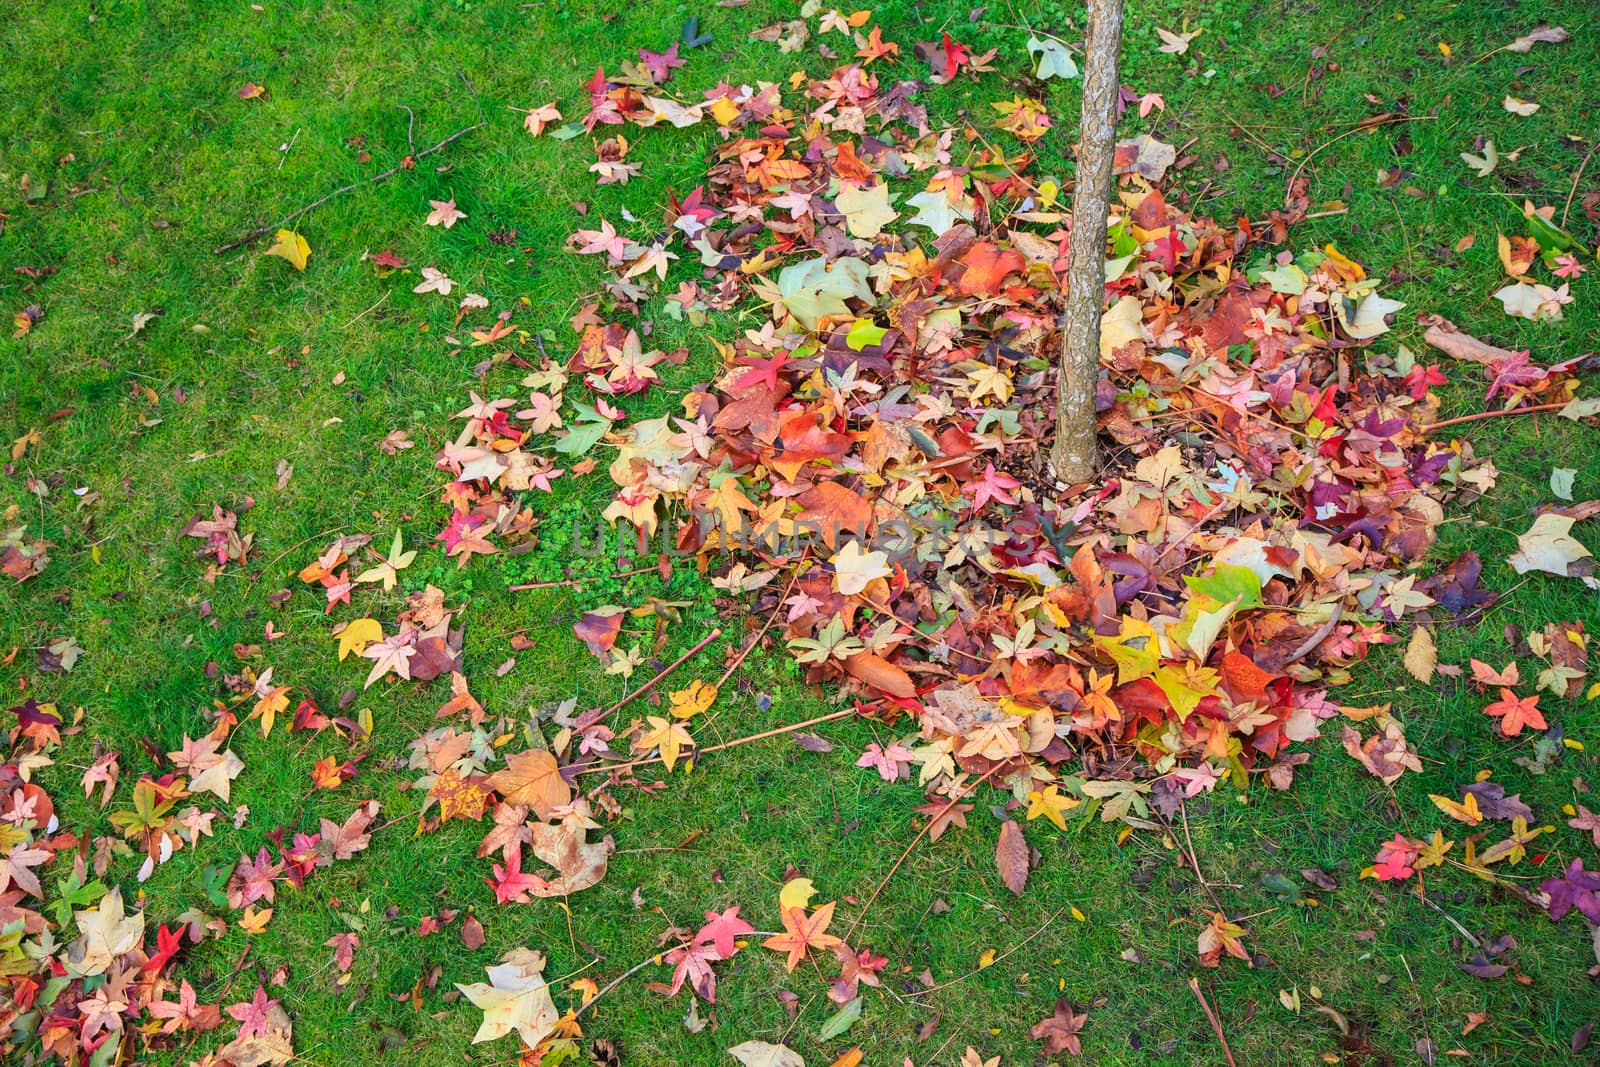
x=1050, y=804
x=253, y=921
x=796, y=893
x=669, y=737
x=358, y=634
x=292, y=247
x=1135, y=650
x=1466, y=811
x=687, y=703
x=267, y=708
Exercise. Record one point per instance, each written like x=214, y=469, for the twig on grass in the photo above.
x=738, y=660
x=1390, y=121
x=968, y=791
x=391, y=172
x=1576, y=178
x=735, y=743
x=1211, y=1017
x=1432, y=426
x=1019, y=946
x=668, y=669
x=575, y=582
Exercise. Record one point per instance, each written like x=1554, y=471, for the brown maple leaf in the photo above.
x=944, y=815
x=1059, y=1032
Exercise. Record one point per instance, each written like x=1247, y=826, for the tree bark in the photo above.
x=1073, y=457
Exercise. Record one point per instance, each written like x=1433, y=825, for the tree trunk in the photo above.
x=1072, y=459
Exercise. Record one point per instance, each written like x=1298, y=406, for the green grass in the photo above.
x=128, y=111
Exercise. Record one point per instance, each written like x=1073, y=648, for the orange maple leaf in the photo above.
x=802, y=932
x=1515, y=712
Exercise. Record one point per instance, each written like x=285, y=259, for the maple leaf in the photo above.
x=434, y=281
x=687, y=703
x=1050, y=804
x=16, y=869
x=866, y=210
x=944, y=815
x=1516, y=712
x=1219, y=936
x=692, y=963
x=1515, y=847
x=357, y=634
x=764, y=1053
x=540, y=117
x=252, y=1015
x=510, y=884
x=1176, y=44
x=875, y=47
x=392, y=654
x=986, y=268
x=661, y=64
x=290, y=246
x=387, y=571
x=273, y=699
x=533, y=778
x=1575, y=889
x=515, y=998
x=890, y=763
x=855, y=970
x=445, y=213
x=993, y=486
x=1466, y=810
x=186, y=1013
x=459, y=796
x=605, y=239
x=1587, y=820
x=1548, y=546
x=855, y=568
x=215, y=773
x=106, y=934
x=1386, y=754
x=1484, y=674
x=1395, y=860
x=723, y=930
x=344, y=949
x=343, y=841
x=1059, y=1031
x=802, y=933
x=669, y=737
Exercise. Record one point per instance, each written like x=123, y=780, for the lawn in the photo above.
x=163, y=379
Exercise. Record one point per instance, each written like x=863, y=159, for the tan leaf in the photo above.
x=1421, y=655
x=1011, y=856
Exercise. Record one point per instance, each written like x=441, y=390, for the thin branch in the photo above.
x=1392, y=120
x=1211, y=1017
x=735, y=743
x=1432, y=426
x=738, y=660
x=668, y=669
x=391, y=172
x=1576, y=178
x=1013, y=949
x=968, y=791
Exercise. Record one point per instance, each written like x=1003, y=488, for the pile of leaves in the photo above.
x=867, y=464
